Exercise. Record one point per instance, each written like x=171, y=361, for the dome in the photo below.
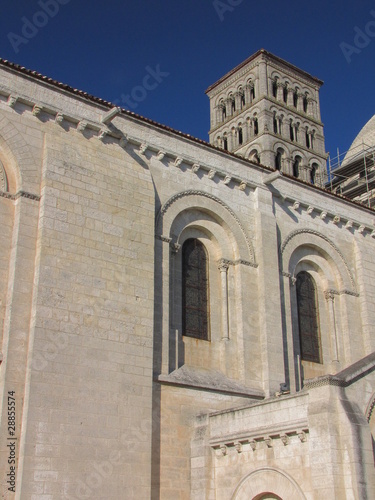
x=365, y=140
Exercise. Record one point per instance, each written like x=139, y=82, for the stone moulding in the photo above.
x=19, y=194
x=346, y=377
x=323, y=214
x=266, y=438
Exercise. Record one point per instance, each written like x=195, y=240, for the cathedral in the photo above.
x=181, y=319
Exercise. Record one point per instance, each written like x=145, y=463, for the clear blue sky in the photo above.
x=105, y=47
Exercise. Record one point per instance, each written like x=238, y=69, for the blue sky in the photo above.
x=107, y=49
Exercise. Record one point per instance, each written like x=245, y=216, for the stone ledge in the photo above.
x=209, y=380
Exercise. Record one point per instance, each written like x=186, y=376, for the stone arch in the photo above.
x=268, y=480
x=302, y=238
x=187, y=201
x=16, y=155
x=370, y=408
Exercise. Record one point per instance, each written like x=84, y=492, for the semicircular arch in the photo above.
x=305, y=237
x=217, y=209
x=268, y=480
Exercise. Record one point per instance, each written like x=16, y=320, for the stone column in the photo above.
x=248, y=98
x=300, y=102
x=223, y=268
x=330, y=298
x=280, y=91
x=237, y=98
x=290, y=97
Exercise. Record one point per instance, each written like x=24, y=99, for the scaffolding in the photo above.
x=352, y=174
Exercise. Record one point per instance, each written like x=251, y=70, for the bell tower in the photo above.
x=268, y=111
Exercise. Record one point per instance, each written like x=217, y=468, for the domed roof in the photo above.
x=365, y=140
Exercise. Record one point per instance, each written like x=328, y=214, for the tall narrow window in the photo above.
x=240, y=136
x=307, y=140
x=225, y=143
x=296, y=165
x=305, y=104
x=285, y=94
x=275, y=123
x=308, y=318
x=291, y=132
x=256, y=128
x=274, y=88
x=195, y=304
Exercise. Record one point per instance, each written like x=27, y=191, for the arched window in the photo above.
x=225, y=143
x=295, y=98
x=305, y=103
x=307, y=139
x=275, y=128
x=285, y=94
x=256, y=128
x=254, y=156
x=274, y=88
x=278, y=158
x=291, y=131
x=240, y=135
x=296, y=164
x=195, y=303
x=314, y=168
x=308, y=318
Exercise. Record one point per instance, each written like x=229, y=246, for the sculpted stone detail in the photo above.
x=195, y=168
x=160, y=156
x=12, y=101
x=242, y=186
x=192, y=192
x=178, y=162
x=20, y=194
x=123, y=142
x=370, y=408
x=82, y=125
x=37, y=110
x=211, y=173
x=320, y=235
x=143, y=148
x=59, y=118
x=227, y=179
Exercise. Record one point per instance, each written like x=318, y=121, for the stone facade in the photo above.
x=112, y=400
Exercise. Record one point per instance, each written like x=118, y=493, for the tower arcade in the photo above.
x=268, y=110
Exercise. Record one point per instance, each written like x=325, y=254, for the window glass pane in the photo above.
x=308, y=318
x=195, y=290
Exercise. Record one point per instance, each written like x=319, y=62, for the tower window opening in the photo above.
x=252, y=92
x=313, y=173
x=225, y=143
x=307, y=140
x=291, y=132
x=296, y=165
x=305, y=104
x=285, y=94
x=275, y=129
x=274, y=88
x=278, y=158
x=240, y=136
x=295, y=99
x=233, y=104
x=256, y=127
x=242, y=100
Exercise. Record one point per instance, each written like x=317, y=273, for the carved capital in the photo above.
x=329, y=295
x=223, y=265
x=175, y=247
